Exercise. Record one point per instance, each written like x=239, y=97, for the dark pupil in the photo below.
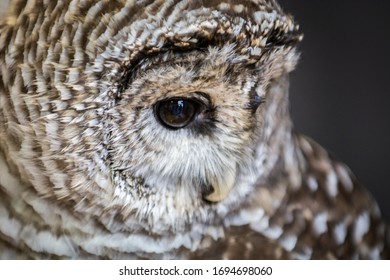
x=176, y=113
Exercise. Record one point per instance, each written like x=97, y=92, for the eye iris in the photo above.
x=176, y=113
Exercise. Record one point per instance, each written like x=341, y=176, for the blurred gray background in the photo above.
x=340, y=92
x=3, y=5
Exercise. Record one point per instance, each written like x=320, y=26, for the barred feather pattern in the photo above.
x=87, y=172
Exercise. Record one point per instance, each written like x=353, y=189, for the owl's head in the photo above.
x=158, y=111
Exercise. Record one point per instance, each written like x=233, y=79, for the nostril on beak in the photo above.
x=206, y=192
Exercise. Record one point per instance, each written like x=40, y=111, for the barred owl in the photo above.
x=161, y=130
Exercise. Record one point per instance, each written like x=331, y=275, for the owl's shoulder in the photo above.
x=344, y=219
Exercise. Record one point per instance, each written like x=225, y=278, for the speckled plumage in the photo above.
x=87, y=170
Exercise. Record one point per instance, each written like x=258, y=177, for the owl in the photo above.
x=156, y=129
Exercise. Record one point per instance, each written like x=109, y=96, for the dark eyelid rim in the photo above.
x=201, y=97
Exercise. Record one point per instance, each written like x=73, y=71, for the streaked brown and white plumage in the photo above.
x=89, y=170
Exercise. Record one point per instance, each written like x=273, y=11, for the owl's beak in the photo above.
x=221, y=187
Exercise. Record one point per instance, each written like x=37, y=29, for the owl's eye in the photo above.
x=176, y=113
